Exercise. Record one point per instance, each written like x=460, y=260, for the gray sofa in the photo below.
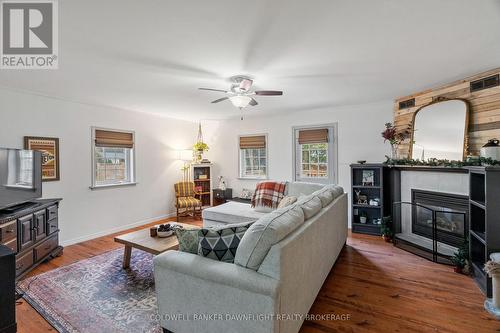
x=280, y=265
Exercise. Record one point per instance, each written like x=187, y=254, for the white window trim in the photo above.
x=335, y=148
x=239, y=157
x=133, y=179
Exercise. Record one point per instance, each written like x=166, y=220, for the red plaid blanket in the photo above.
x=268, y=194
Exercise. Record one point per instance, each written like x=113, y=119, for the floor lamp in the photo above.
x=186, y=156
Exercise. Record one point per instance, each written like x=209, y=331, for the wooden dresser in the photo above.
x=32, y=233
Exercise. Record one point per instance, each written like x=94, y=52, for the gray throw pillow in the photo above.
x=220, y=243
x=188, y=239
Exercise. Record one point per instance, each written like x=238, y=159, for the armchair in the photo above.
x=185, y=199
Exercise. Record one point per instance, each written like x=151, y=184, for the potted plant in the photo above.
x=363, y=216
x=460, y=258
x=199, y=148
x=386, y=229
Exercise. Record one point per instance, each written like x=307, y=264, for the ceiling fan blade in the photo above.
x=210, y=89
x=253, y=102
x=269, y=93
x=220, y=99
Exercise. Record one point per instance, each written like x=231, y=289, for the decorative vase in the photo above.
x=362, y=219
x=394, y=152
x=457, y=269
x=386, y=238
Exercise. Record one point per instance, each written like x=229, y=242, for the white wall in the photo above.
x=85, y=213
x=359, y=138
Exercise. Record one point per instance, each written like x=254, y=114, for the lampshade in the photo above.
x=240, y=101
x=185, y=155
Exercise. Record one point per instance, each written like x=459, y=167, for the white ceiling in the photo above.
x=151, y=56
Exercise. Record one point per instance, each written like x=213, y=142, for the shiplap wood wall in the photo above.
x=484, y=110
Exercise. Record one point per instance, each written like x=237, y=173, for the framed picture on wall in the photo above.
x=50, y=155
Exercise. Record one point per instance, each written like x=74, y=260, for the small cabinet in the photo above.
x=40, y=227
x=26, y=235
x=221, y=196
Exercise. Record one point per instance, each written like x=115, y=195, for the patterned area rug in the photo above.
x=97, y=295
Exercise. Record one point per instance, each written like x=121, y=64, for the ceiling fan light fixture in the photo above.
x=240, y=101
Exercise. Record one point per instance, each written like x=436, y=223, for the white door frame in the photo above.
x=333, y=151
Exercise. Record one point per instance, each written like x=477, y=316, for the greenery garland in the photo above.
x=476, y=161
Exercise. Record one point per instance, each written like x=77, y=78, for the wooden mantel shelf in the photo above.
x=428, y=168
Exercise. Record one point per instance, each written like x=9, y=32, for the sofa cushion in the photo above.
x=188, y=239
x=325, y=195
x=311, y=205
x=298, y=189
x=287, y=201
x=266, y=232
x=221, y=243
x=232, y=212
x=336, y=190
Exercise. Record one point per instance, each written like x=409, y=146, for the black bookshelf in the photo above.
x=372, y=189
x=484, y=221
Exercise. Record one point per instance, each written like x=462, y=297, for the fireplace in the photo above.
x=450, y=212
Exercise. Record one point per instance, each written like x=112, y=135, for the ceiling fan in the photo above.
x=240, y=93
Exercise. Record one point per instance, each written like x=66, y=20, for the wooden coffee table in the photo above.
x=142, y=240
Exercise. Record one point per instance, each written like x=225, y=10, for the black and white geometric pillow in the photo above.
x=220, y=243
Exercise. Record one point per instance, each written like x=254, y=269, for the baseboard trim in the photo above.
x=115, y=229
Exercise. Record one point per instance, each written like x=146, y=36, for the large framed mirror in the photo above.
x=440, y=131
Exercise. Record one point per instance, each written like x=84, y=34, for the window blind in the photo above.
x=252, y=142
x=317, y=135
x=105, y=138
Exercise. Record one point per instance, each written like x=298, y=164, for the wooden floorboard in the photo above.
x=373, y=287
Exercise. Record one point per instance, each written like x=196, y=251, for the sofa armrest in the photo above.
x=218, y=272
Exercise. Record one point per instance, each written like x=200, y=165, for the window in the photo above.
x=112, y=158
x=315, y=151
x=253, y=156
x=314, y=160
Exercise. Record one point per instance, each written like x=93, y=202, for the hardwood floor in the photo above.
x=374, y=287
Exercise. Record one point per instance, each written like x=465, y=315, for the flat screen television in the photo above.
x=20, y=176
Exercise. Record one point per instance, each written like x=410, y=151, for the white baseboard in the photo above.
x=115, y=229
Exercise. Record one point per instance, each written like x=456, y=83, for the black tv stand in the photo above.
x=31, y=231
